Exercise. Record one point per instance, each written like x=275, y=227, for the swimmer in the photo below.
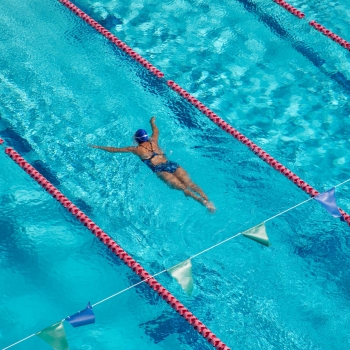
x=170, y=172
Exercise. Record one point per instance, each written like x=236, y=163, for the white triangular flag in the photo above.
x=54, y=336
x=258, y=234
x=183, y=275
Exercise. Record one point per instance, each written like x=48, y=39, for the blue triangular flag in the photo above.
x=82, y=318
x=327, y=199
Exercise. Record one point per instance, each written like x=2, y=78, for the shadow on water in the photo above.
x=168, y=324
x=324, y=252
x=14, y=140
x=45, y=170
x=11, y=247
x=110, y=21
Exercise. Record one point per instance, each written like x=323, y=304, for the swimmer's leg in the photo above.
x=182, y=175
x=174, y=182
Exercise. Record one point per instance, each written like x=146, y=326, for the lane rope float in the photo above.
x=118, y=251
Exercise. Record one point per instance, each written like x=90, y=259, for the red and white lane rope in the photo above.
x=118, y=251
x=243, y=139
x=314, y=24
x=112, y=38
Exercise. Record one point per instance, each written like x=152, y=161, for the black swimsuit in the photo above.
x=168, y=166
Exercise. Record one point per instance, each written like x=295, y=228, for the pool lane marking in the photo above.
x=314, y=24
x=250, y=144
x=118, y=251
x=111, y=37
x=190, y=258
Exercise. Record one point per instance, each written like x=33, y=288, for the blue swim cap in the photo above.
x=141, y=136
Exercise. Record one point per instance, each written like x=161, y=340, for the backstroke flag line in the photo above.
x=258, y=234
x=183, y=275
x=327, y=200
x=55, y=336
x=82, y=318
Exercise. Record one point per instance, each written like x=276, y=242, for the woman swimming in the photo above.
x=170, y=172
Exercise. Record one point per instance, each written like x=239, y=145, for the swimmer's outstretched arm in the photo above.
x=130, y=149
x=155, y=131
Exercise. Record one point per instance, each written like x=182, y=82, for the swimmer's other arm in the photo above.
x=115, y=149
x=155, y=131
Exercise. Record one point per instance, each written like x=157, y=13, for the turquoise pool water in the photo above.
x=63, y=86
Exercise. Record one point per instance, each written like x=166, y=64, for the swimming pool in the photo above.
x=63, y=86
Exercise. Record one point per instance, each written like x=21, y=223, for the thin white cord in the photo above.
x=214, y=246
x=124, y=290
x=285, y=211
x=342, y=183
x=19, y=342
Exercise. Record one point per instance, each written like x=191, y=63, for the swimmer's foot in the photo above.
x=209, y=205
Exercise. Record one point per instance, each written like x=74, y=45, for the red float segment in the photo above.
x=345, y=215
x=112, y=38
x=243, y=139
x=330, y=34
x=294, y=11
x=117, y=250
x=1, y=141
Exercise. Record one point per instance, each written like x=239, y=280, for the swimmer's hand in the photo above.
x=94, y=146
x=153, y=119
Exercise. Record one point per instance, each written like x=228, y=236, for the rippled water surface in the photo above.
x=270, y=75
